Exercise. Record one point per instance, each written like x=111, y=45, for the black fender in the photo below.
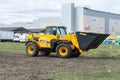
x=53, y=44
x=67, y=42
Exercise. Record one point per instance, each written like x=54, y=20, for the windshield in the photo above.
x=61, y=31
x=49, y=30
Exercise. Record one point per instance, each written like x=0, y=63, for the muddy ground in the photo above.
x=17, y=66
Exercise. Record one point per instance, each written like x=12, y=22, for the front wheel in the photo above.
x=76, y=53
x=32, y=49
x=64, y=50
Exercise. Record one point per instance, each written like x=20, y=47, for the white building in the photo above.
x=79, y=19
x=88, y=20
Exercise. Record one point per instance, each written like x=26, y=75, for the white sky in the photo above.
x=12, y=11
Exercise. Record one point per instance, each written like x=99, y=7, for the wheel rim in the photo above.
x=30, y=49
x=63, y=51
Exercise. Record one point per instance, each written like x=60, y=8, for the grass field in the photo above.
x=12, y=46
x=102, y=63
x=105, y=51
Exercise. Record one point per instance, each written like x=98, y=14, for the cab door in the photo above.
x=47, y=37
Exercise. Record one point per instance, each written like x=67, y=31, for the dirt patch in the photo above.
x=17, y=66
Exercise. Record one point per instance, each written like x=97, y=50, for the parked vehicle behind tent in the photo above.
x=18, y=37
x=23, y=37
x=6, y=36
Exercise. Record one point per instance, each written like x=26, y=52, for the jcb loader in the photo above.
x=56, y=39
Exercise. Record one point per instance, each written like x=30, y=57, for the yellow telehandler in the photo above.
x=56, y=39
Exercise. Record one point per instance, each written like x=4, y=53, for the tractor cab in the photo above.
x=53, y=30
x=56, y=39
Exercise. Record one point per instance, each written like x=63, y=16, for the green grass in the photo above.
x=104, y=51
x=12, y=47
x=91, y=76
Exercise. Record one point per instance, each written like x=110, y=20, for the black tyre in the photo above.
x=75, y=53
x=64, y=50
x=32, y=49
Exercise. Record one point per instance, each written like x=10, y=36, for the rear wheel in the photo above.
x=32, y=49
x=64, y=50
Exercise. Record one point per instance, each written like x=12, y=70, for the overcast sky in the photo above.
x=12, y=11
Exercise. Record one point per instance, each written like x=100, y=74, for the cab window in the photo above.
x=58, y=31
x=49, y=31
x=61, y=31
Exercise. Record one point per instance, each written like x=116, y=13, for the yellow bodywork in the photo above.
x=44, y=40
x=56, y=39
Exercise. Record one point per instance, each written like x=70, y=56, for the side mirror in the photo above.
x=54, y=32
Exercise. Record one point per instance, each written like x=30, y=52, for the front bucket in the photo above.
x=90, y=40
